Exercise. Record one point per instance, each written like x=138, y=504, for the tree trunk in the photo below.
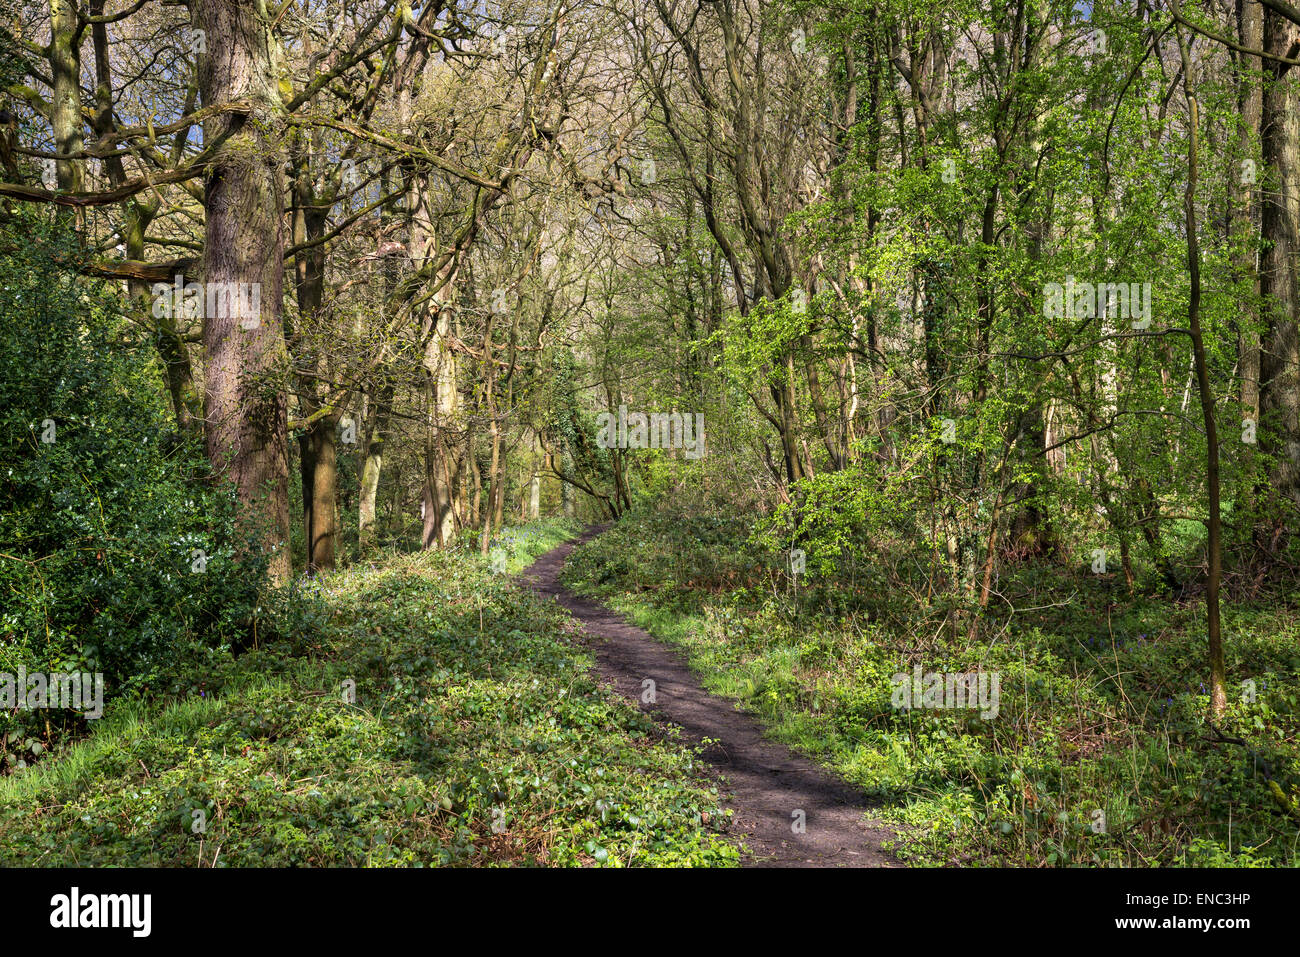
x=476, y=488
x=1250, y=29
x=65, y=99
x=443, y=450
x=1279, y=398
x=320, y=513
x=324, y=499
x=494, y=474
x=245, y=405
x=376, y=432
x=566, y=491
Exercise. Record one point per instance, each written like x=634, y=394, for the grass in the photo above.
x=1099, y=754
x=475, y=737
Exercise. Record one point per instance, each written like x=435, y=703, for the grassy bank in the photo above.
x=1098, y=754
x=475, y=737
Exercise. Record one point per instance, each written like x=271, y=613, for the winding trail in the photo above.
x=767, y=783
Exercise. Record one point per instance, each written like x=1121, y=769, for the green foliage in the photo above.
x=475, y=737
x=102, y=507
x=1102, y=703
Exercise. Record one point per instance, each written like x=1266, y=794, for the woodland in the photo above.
x=862, y=338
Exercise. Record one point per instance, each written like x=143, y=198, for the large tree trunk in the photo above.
x=323, y=537
x=445, y=456
x=441, y=484
x=245, y=406
x=444, y=450
x=65, y=100
x=1279, y=398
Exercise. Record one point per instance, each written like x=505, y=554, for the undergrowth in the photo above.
x=416, y=711
x=1099, y=752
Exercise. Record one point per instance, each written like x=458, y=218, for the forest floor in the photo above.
x=433, y=709
x=788, y=811
x=1095, y=750
x=418, y=710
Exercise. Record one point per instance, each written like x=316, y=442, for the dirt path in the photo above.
x=767, y=783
